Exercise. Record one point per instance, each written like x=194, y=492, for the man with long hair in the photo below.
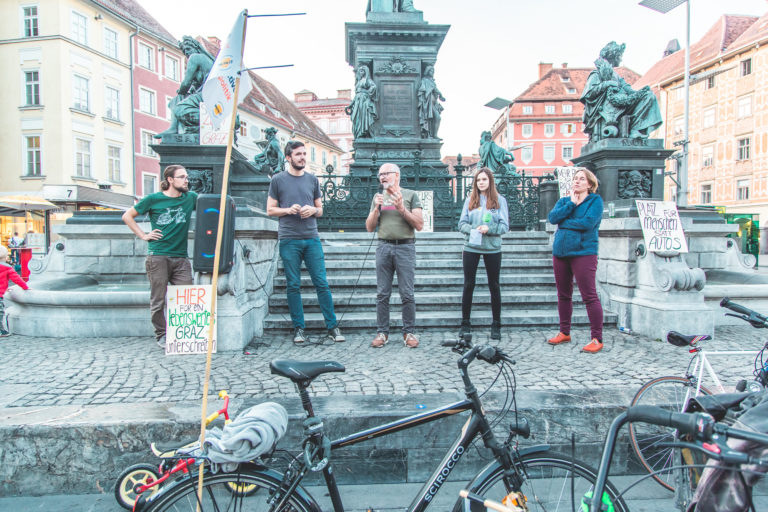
x=170, y=212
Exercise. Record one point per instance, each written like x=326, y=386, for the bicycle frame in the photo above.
x=702, y=363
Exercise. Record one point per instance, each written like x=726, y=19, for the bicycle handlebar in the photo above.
x=753, y=317
x=698, y=424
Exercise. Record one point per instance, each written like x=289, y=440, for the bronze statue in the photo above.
x=495, y=157
x=429, y=104
x=362, y=110
x=270, y=161
x=607, y=99
x=390, y=6
x=185, y=107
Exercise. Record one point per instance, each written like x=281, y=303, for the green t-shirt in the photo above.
x=171, y=215
x=392, y=225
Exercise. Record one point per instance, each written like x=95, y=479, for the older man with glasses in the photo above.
x=170, y=212
x=397, y=213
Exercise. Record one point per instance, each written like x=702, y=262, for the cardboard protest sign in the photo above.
x=662, y=229
x=188, y=319
x=564, y=179
x=427, y=209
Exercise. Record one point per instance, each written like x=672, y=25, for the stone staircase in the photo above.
x=528, y=293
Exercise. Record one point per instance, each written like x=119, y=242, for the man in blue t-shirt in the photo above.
x=294, y=197
x=170, y=212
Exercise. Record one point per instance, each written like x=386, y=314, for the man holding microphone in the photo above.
x=398, y=214
x=294, y=197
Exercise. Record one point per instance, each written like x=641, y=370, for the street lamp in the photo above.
x=664, y=6
x=497, y=104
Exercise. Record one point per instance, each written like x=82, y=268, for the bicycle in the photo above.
x=698, y=432
x=675, y=392
x=534, y=478
x=140, y=478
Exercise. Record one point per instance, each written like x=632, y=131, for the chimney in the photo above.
x=565, y=65
x=344, y=94
x=544, y=68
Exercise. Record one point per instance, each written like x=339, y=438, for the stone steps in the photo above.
x=425, y=282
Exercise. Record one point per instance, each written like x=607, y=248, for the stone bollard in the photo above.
x=549, y=192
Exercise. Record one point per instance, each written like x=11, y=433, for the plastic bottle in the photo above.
x=625, y=330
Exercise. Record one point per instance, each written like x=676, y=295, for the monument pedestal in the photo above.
x=627, y=169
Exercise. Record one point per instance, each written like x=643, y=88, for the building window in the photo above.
x=113, y=163
x=110, y=42
x=571, y=90
x=746, y=67
x=549, y=129
x=565, y=78
x=146, y=140
x=147, y=103
x=171, y=68
x=335, y=162
x=149, y=184
x=549, y=153
x=549, y=109
x=325, y=159
x=30, y=21
x=707, y=156
x=80, y=93
x=79, y=28
x=527, y=130
x=743, y=148
x=705, y=194
x=567, y=153
x=708, y=118
x=112, y=103
x=567, y=108
x=678, y=126
x=146, y=57
x=742, y=190
x=83, y=158
x=744, y=106
x=312, y=154
x=527, y=110
x=567, y=128
x=32, y=88
x=526, y=154
x=679, y=93
x=243, y=129
x=34, y=156
x=709, y=83
x=672, y=193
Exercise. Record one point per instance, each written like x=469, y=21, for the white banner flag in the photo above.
x=219, y=88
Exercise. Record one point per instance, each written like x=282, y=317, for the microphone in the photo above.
x=382, y=188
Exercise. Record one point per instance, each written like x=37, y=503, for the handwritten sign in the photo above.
x=427, y=205
x=565, y=178
x=188, y=319
x=662, y=229
x=209, y=136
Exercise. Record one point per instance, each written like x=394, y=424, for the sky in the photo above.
x=492, y=49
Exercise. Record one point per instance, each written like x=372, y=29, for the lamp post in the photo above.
x=497, y=104
x=664, y=6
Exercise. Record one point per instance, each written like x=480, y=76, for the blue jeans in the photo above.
x=310, y=251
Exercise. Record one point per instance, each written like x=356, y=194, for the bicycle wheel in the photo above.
x=669, y=392
x=129, y=479
x=547, y=485
x=219, y=494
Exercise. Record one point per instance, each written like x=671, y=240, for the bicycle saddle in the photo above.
x=299, y=371
x=716, y=405
x=682, y=340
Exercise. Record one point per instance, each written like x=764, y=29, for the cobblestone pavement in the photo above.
x=68, y=371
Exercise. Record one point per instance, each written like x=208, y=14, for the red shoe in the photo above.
x=560, y=338
x=593, y=347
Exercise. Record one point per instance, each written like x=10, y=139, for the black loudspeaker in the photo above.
x=206, y=225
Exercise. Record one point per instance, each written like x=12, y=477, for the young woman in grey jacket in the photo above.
x=484, y=218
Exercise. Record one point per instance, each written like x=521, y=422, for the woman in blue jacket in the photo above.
x=484, y=218
x=575, y=255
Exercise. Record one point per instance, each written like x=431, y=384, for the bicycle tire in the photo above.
x=129, y=478
x=668, y=392
x=547, y=484
x=218, y=494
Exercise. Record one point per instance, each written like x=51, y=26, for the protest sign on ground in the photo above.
x=188, y=319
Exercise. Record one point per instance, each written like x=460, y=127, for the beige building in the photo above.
x=728, y=121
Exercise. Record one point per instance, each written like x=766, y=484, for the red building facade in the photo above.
x=329, y=115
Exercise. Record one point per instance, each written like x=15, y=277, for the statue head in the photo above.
x=270, y=132
x=190, y=46
x=362, y=72
x=429, y=70
x=613, y=52
x=485, y=136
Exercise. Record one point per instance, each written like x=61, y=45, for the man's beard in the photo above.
x=297, y=166
x=183, y=188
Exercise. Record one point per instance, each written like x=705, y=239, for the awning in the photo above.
x=10, y=212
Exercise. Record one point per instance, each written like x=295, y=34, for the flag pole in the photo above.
x=215, y=277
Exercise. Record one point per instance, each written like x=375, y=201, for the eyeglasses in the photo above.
x=385, y=173
x=185, y=178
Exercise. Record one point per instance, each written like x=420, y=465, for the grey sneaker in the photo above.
x=161, y=342
x=298, y=335
x=4, y=333
x=335, y=335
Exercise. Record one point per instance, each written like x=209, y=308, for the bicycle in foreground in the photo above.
x=650, y=442
x=532, y=478
x=696, y=431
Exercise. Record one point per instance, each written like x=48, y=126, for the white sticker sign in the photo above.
x=427, y=205
x=188, y=319
x=662, y=229
x=565, y=178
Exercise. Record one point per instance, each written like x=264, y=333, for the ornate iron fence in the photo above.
x=347, y=198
